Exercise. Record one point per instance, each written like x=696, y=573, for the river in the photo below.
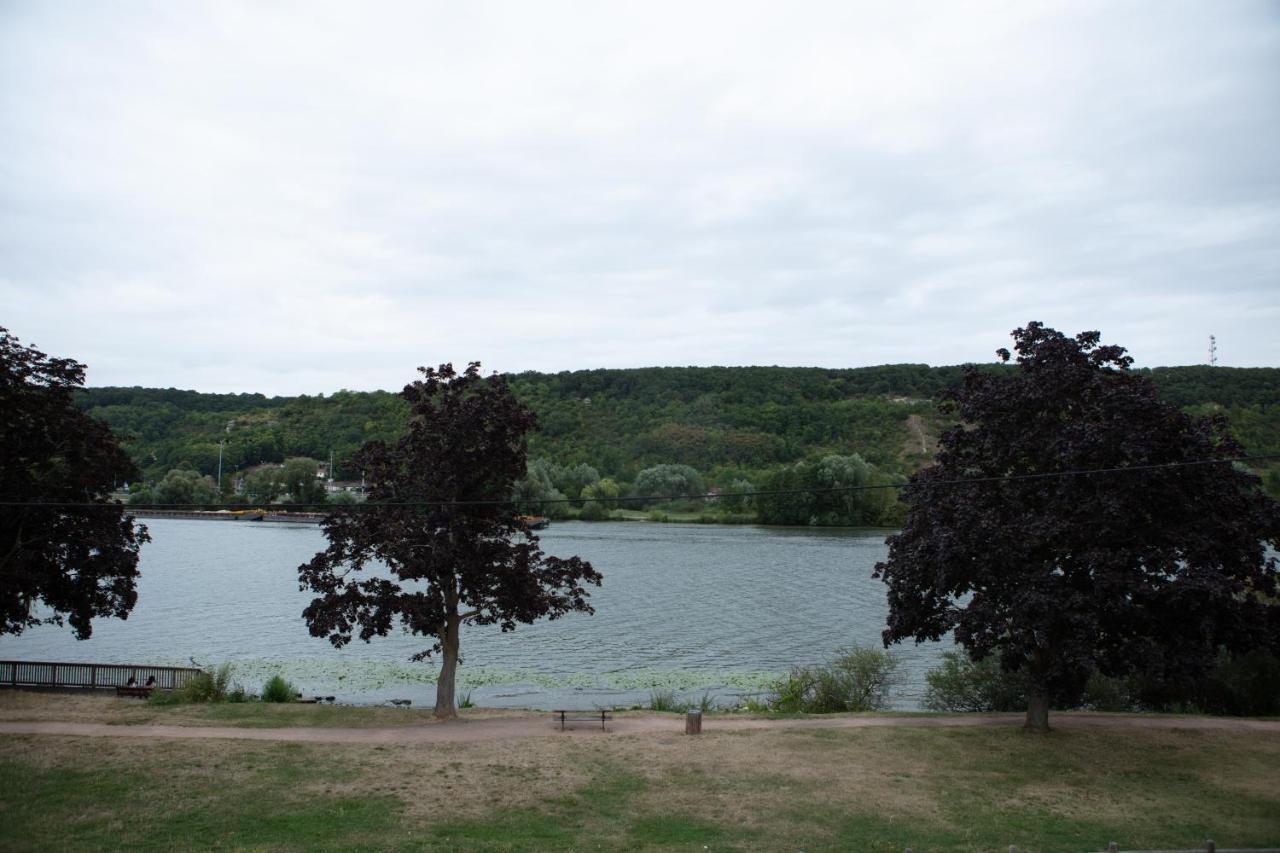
x=688, y=608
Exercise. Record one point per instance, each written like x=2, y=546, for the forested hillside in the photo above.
x=742, y=426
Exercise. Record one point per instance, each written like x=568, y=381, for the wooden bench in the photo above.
x=133, y=690
x=583, y=717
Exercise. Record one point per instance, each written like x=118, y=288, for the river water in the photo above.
x=688, y=608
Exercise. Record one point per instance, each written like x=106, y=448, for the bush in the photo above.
x=1245, y=685
x=857, y=679
x=278, y=690
x=961, y=684
x=207, y=685
x=1103, y=693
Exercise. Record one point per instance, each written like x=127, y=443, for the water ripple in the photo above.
x=689, y=608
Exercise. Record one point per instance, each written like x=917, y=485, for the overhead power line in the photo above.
x=902, y=484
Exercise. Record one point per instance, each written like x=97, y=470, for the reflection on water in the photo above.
x=684, y=607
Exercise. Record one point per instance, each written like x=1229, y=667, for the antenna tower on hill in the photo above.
x=1213, y=351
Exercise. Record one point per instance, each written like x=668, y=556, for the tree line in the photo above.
x=739, y=428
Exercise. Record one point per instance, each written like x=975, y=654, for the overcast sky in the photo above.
x=297, y=198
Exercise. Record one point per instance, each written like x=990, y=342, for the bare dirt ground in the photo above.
x=481, y=728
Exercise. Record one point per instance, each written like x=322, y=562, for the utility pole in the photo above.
x=220, y=443
x=1213, y=351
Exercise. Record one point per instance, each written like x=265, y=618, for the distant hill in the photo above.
x=730, y=423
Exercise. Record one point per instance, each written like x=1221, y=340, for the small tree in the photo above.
x=599, y=498
x=181, y=486
x=536, y=494
x=64, y=544
x=438, y=520
x=668, y=481
x=298, y=479
x=1060, y=574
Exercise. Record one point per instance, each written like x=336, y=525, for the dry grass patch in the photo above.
x=105, y=708
x=859, y=789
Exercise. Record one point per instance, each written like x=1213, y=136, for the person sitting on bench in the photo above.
x=151, y=682
x=133, y=681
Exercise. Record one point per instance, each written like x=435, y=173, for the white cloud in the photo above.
x=301, y=197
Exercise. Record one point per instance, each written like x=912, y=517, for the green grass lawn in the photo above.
x=854, y=789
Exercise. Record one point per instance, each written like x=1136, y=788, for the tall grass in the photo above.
x=665, y=700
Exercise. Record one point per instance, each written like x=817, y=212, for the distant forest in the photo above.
x=737, y=427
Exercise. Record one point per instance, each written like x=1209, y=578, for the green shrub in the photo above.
x=1242, y=685
x=857, y=679
x=465, y=701
x=207, y=685
x=1103, y=693
x=961, y=684
x=237, y=694
x=278, y=690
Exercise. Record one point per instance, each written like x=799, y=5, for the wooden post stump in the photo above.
x=693, y=722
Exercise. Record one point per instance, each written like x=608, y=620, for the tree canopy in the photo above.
x=66, y=551
x=439, y=545
x=729, y=423
x=1060, y=573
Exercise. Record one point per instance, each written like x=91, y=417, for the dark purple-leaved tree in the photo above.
x=67, y=552
x=1150, y=569
x=438, y=545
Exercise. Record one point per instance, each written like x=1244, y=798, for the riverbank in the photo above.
x=1153, y=783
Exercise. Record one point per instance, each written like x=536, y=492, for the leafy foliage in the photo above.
x=961, y=684
x=1058, y=577
x=276, y=689
x=857, y=679
x=75, y=558
x=1246, y=684
x=441, y=550
x=207, y=685
x=668, y=481
x=809, y=493
x=727, y=423
x=182, y=486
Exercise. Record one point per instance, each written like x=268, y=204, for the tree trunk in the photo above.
x=1038, y=693
x=446, y=707
x=1037, y=711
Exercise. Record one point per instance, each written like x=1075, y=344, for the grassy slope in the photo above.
x=869, y=789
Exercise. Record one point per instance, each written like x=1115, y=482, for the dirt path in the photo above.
x=544, y=726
